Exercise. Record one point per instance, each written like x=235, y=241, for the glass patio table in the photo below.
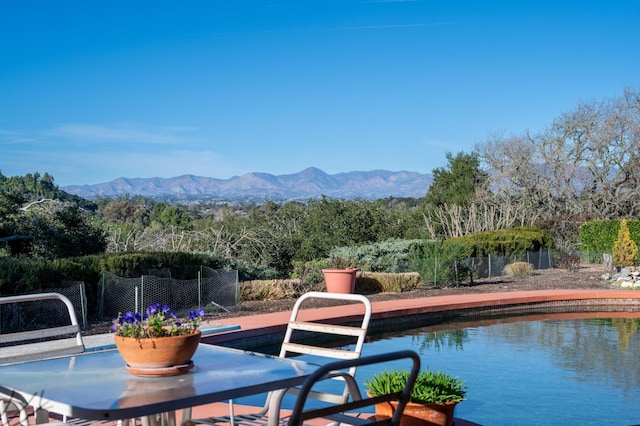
x=97, y=386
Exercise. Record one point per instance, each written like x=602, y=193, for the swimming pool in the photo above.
x=544, y=372
x=537, y=370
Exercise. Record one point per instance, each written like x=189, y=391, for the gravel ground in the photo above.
x=587, y=276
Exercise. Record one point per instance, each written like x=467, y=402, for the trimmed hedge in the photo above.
x=600, y=235
x=505, y=242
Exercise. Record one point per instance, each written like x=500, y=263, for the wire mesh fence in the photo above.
x=45, y=313
x=493, y=266
x=210, y=287
x=441, y=269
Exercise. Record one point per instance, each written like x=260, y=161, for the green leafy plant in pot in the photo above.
x=433, y=397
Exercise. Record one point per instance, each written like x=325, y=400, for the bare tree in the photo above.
x=587, y=162
x=487, y=214
x=173, y=239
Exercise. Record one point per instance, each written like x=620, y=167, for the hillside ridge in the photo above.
x=309, y=183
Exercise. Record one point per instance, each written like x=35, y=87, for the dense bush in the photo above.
x=600, y=235
x=309, y=272
x=387, y=256
x=505, y=242
x=565, y=229
x=20, y=276
x=625, y=250
x=440, y=262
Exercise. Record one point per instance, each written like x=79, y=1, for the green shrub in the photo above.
x=309, y=272
x=625, y=250
x=386, y=256
x=339, y=262
x=440, y=262
x=505, y=242
x=599, y=236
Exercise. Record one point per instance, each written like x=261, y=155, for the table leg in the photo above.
x=186, y=414
x=41, y=415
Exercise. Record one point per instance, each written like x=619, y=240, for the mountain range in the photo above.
x=310, y=183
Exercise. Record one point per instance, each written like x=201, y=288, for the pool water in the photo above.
x=555, y=372
x=551, y=372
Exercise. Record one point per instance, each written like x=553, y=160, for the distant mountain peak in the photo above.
x=307, y=184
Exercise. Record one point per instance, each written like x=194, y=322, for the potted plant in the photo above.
x=157, y=343
x=433, y=398
x=340, y=275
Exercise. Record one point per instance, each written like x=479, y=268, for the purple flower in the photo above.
x=151, y=310
x=158, y=321
x=193, y=316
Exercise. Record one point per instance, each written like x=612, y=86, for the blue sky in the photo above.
x=95, y=90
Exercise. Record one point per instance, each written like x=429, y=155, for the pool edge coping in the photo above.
x=267, y=328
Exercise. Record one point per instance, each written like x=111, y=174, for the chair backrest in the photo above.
x=308, y=336
x=13, y=404
x=337, y=412
x=47, y=342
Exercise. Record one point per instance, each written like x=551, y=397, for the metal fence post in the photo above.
x=435, y=270
x=200, y=288
x=489, y=265
x=540, y=258
x=83, y=308
x=237, y=286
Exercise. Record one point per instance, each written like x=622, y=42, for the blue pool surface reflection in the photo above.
x=554, y=372
x=549, y=372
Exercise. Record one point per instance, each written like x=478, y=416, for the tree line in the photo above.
x=582, y=167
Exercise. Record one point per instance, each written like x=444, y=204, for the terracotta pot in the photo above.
x=420, y=414
x=168, y=353
x=340, y=280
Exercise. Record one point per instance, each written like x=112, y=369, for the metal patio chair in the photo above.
x=350, y=412
x=316, y=338
x=23, y=346
x=47, y=342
